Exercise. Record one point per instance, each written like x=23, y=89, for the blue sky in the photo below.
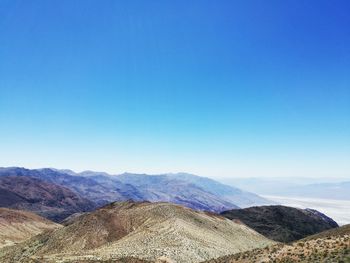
x=216, y=88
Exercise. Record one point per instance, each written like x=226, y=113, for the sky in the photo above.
x=215, y=88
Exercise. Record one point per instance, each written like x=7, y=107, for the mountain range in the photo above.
x=140, y=218
x=100, y=188
x=49, y=200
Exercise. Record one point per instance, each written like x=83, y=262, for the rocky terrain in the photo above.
x=331, y=246
x=282, y=223
x=17, y=226
x=148, y=231
x=46, y=199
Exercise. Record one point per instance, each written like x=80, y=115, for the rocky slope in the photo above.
x=46, y=199
x=17, y=226
x=282, y=223
x=148, y=231
x=331, y=246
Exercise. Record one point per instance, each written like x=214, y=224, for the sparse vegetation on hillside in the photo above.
x=325, y=248
x=17, y=226
x=149, y=231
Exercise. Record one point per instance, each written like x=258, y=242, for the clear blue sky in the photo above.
x=216, y=88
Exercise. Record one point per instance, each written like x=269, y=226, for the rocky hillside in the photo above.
x=282, y=223
x=46, y=199
x=17, y=226
x=145, y=230
x=331, y=246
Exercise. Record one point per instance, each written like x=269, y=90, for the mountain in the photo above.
x=151, y=188
x=17, y=226
x=102, y=188
x=46, y=199
x=162, y=184
x=282, y=223
x=328, y=246
x=142, y=230
x=170, y=189
x=98, y=191
x=230, y=193
x=192, y=191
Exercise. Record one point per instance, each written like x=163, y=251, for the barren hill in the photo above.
x=140, y=230
x=17, y=226
x=282, y=223
x=46, y=199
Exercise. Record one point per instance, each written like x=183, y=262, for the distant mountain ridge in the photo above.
x=49, y=200
x=190, y=190
x=229, y=193
x=99, y=192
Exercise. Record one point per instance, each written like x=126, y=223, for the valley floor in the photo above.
x=339, y=210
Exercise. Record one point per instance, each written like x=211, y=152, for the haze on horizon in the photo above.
x=229, y=89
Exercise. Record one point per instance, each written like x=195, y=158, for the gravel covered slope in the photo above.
x=17, y=226
x=332, y=246
x=147, y=231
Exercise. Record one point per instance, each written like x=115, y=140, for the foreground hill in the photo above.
x=46, y=199
x=140, y=230
x=282, y=223
x=331, y=246
x=17, y=226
